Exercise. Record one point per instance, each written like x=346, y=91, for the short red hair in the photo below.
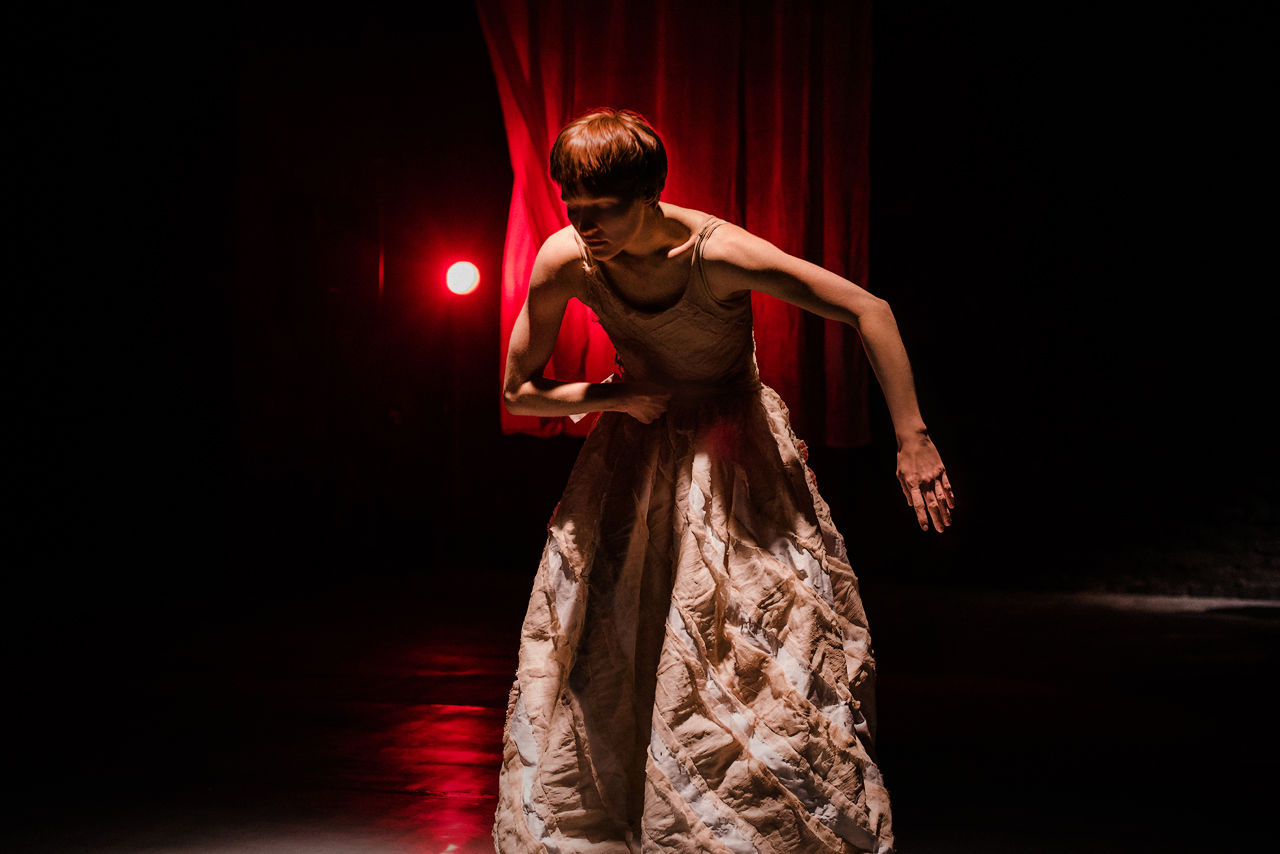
x=610, y=153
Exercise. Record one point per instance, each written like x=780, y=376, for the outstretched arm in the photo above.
x=738, y=261
x=525, y=390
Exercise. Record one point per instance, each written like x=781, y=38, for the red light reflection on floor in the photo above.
x=449, y=756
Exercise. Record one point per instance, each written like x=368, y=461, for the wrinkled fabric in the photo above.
x=695, y=669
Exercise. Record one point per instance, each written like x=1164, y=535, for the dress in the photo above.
x=695, y=670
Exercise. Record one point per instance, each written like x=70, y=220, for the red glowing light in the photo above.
x=463, y=277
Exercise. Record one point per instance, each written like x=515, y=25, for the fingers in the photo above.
x=946, y=485
x=943, y=505
x=932, y=502
x=647, y=408
x=921, y=508
x=928, y=509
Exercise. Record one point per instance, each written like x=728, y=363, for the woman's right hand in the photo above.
x=643, y=401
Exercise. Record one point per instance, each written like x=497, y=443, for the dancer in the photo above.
x=695, y=671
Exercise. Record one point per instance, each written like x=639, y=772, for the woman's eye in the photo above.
x=601, y=209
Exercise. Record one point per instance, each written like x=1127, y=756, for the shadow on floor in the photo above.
x=367, y=717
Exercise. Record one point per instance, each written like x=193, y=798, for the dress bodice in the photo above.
x=698, y=345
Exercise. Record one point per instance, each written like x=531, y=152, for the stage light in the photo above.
x=463, y=277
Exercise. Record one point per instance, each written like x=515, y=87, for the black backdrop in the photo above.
x=214, y=405
x=213, y=415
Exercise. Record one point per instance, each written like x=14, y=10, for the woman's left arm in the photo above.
x=737, y=261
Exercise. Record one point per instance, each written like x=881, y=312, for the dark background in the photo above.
x=215, y=412
x=1064, y=217
x=214, y=400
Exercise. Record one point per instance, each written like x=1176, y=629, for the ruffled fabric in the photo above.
x=695, y=669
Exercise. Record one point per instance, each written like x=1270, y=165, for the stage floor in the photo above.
x=368, y=718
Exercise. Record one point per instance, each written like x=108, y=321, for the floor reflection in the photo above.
x=372, y=724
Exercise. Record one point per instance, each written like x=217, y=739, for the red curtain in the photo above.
x=764, y=111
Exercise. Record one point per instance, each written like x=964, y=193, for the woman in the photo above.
x=695, y=666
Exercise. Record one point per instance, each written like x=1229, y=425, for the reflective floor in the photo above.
x=368, y=718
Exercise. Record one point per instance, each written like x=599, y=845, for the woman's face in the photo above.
x=607, y=224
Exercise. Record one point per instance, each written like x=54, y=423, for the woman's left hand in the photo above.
x=924, y=482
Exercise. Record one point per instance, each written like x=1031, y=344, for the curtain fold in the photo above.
x=764, y=108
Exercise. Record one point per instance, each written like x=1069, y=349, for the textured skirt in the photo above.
x=695, y=670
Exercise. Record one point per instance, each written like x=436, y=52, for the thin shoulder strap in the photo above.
x=583, y=252
x=712, y=223
x=708, y=227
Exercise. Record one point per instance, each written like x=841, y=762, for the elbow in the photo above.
x=880, y=308
x=511, y=400
x=874, y=308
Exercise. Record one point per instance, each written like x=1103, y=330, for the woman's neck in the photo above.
x=659, y=234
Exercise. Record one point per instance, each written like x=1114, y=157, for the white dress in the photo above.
x=695, y=665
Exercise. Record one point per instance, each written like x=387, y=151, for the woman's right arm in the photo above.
x=525, y=390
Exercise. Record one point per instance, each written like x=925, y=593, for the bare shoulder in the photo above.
x=558, y=266
x=736, y=261
x=692, y=219
x=733, y=247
